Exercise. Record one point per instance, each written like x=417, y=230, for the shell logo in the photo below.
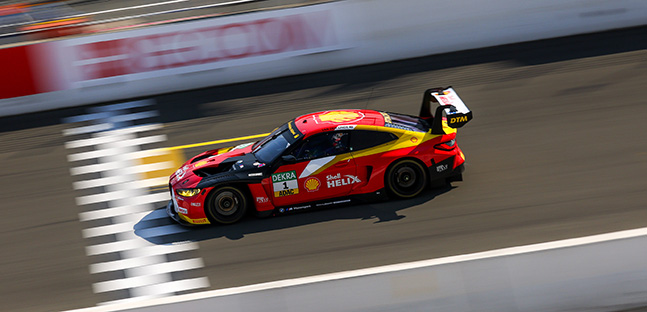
x=341, y=116
x=312, y=184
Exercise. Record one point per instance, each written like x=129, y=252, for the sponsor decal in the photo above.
x=341, y=116
x=414, y=139
x=196, y=204
x=255, y=174
x=315, y=165
x=285, y=183
x=445, y=100
x=200, y=164
x=295, y=134
x=241, y=146
x=300, y=207
x=240, y=164
x=295, y=208
x=223, y=150
x=258, y=164
x=345, y=127
x=333, y=203
x=336, y=180
x=262, y=200
x=182, y=210
x=200, y=221
x=179, y=174
x=458, y=119
x=387, y=118
x=312, y=184
x=441, y=168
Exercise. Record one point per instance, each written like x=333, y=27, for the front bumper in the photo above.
x=172, y=213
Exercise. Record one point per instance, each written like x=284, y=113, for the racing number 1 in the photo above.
x=285, y=185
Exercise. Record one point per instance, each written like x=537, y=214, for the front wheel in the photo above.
x=226, y=205
x=406, y=178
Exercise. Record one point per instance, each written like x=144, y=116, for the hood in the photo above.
x=213, y=162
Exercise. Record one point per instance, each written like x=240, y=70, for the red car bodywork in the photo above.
x=296, y=182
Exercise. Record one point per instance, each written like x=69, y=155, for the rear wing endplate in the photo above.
x=456, y=111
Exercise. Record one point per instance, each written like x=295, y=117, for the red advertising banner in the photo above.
x=17, y=77
x=242, y=40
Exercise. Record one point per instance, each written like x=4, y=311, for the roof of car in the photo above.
x=330, y=120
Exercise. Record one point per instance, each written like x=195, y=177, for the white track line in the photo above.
x=88, y=129
x=108, y=229
x=121, y=106
x=141, y=141
x=133, y=116
x=376, y=270
x=130, y=282
x=109, y=137
x=91, y=141
x=95, y=168
x=168, y=267
x=115, y=151
x=120, y=165
x=125, y=264
x=117, y=246
x=174, y=286
x=131, y=129
x=158, y=250
x=114, y=212
x=87, y=117
x=86, y=184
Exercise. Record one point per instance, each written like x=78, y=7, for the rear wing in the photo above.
x=456, y=111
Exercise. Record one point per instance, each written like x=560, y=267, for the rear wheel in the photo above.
x=226, y=205
x=406, y=178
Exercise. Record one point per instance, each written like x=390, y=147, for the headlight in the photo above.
x=187, y=192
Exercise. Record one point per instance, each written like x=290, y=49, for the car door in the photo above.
x=320, y=167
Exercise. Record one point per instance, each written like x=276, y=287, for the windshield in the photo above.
x=272, y=147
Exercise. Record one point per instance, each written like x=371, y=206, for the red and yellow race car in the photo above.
x=323, y=159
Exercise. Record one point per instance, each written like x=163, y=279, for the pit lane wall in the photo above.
x=262, y=45
x=605, y=272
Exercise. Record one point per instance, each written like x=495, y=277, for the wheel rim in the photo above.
x=405, y=177
x=226, y=203
x=407, y=180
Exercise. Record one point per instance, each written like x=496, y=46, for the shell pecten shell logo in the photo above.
x=312, y=184
x=341, y=116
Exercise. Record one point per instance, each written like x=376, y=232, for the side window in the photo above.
x=323, y=144
x=362, y=139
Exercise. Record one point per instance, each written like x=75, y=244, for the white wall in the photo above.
x=345, y=33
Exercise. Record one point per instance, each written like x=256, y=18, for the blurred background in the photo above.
x=100, y=101
x=34, y=20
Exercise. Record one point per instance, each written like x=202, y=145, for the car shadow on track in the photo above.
x=384, y=211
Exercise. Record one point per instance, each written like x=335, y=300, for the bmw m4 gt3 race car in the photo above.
x=323, y=159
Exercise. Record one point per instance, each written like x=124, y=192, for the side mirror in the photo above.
x=289, y=158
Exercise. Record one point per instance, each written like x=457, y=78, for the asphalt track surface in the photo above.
x=556, y=150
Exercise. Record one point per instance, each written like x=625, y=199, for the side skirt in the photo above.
x=330, y=203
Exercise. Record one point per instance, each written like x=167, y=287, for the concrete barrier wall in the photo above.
x=597, y=273
x=262, y=45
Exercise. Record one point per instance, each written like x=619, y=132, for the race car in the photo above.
x=324, y=159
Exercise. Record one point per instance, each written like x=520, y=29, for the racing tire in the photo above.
x=405, y=178
x=226, y=205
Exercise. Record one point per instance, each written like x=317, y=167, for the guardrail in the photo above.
x=262, y=45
